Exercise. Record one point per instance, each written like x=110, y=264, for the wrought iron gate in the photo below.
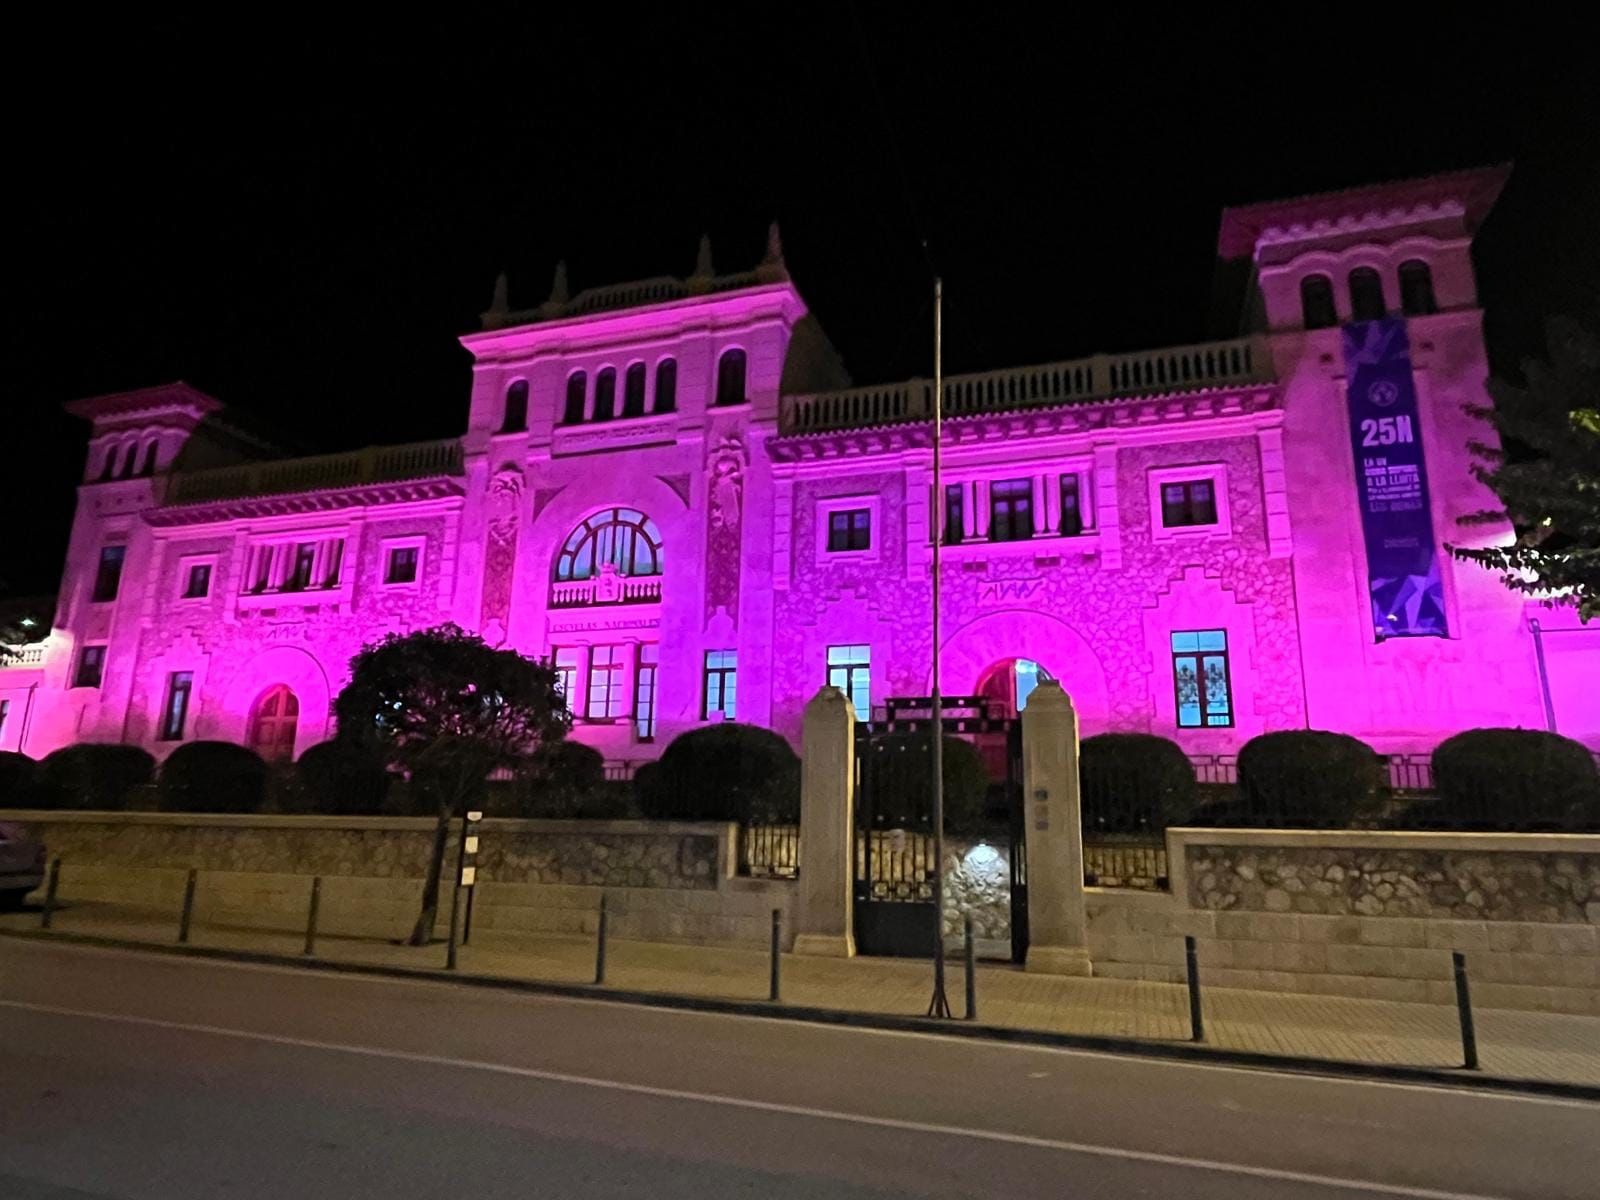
x=894, y=849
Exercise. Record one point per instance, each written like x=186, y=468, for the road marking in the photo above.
x=767, y=1106
x=995, y=1047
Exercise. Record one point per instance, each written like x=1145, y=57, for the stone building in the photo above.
x=672, y=489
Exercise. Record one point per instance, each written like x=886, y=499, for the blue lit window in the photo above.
x=1200, y=679
x=722, y=684
x=849, y=670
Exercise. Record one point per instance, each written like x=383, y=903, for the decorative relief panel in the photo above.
x=500, y=558
x=724, y=524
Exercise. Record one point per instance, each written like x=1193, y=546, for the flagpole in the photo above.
x=939, y=1006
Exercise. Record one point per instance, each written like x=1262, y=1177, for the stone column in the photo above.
x=827, y=827
x=1057, y=922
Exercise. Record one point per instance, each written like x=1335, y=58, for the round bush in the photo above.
x=897, y=783
x=340, y=778
x=1306, y=778
x=1134, y=783
x=213, y=777
x=726, y=772
x=564, y=781
x=19, y=777
x=1511, y=779
x=106, y=778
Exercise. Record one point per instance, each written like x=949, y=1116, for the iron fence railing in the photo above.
x=1135, y=862
x=769, y=851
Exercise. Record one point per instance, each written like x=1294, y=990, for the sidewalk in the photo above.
x=1519, y=1045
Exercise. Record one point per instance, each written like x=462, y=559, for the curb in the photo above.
x=1169, y=1051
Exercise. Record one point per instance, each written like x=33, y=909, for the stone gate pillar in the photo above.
x=1053, y=816
x=827, y=826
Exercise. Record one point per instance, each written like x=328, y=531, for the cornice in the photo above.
x=1143, y=413
x=370, y=495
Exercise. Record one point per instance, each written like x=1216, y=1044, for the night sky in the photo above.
x=301, y=217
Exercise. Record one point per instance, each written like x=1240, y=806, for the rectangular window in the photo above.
x=849, y=670
x=1011, y=510
x=644, y=692
x=955, y=516
x=5, y=711
x=1071, y=507
x=567, y=663
x=722, y=683
x=91, y=666
x=1200, y=677
x=605, y=690
x=108, y=576
x=335, y=559
x=1188, y=502
x=850, y=529
x=197, y=582
x=175, y=713
x=402, y=565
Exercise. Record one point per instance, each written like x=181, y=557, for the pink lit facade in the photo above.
x=671, y=489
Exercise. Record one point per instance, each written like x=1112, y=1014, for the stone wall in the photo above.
x=663, y=880
x=1369, y=914
x=1444, y=884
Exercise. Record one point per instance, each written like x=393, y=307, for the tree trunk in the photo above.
x=422, y=932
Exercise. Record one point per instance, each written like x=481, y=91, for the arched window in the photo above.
x=1316, y=302
x=622, y=537
x=633, y=391
x=1366, y=295
x=666, y=385
x=730, y=377
x=1416, y=289
x=605, y=394
x=109, y=467
x=273, y=721
x=148, y=467
x=128, y=460
x=516, y=420
x=577, y=395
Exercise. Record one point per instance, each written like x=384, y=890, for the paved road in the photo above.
x=140, y=1076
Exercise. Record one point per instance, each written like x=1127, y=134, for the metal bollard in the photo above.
x=51, y=884
x=777, y=937
x=188, y=906
x=455, y=928
x=600, y=945
x=1197, y=1028
x=311, y=916
x=972, y=974
x=1469, y=1035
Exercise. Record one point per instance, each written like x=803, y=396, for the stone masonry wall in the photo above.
x=392, y=850
x=1443, y=884
x=662, y=881
x=1367, y=914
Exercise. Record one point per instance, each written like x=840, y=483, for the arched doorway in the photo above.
x=273, y=721
x=1009, y=682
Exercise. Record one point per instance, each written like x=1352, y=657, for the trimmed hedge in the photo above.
x=98, y=776
x=213, y=777
x=897, y=783
x=1305, y=778
x=725, y=772
x=19, y=779
x=337, y=778
x=1511, y=779
x=566, y=781
x=1134, y=783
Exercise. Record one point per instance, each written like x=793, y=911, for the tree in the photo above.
x=1549, y=478
x=447, y=709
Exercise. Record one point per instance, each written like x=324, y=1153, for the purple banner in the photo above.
x=1392, y=482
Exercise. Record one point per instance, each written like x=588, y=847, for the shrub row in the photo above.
x=1508, y=779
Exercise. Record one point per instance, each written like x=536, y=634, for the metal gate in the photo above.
x=894, y=848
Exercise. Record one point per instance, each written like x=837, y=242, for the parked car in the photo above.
x=21, y=864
